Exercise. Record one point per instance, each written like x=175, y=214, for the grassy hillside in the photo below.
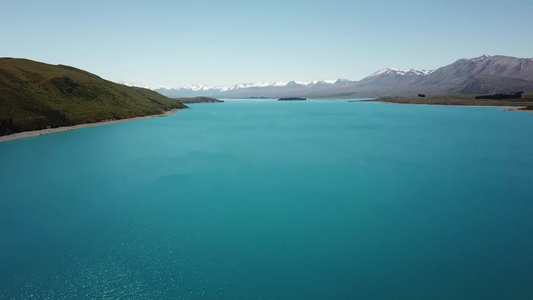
x=465, y=99
x=35, y=96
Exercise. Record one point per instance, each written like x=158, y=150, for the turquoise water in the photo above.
x=274, y=200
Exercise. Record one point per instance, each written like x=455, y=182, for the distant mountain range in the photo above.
x=484, y=74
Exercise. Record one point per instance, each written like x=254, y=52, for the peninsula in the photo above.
x=37, y=96
x=525, y=103
x=292, y=99
x=198, y=100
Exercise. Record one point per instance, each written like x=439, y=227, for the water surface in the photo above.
x=273, y=200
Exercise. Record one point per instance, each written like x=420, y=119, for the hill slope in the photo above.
x=35, y=95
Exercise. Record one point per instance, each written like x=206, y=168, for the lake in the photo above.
x=317, y=199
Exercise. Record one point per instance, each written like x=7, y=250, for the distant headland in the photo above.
x=522, y=103
x=198, y=100
x=292, y=99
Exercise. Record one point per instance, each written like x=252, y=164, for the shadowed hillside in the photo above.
x=35, y=95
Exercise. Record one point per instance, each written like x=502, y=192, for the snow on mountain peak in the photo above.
x=313, y=82
x=480, y=58
x=198, y=87
x=130, y=84
x=203, y=87
x=395, y=71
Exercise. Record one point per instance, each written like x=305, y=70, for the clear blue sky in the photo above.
x=178, y=43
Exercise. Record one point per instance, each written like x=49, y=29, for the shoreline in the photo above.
x=41, y=132
x=519, y=110
x=505, y=108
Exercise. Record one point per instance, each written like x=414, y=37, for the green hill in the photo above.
x=35, y=95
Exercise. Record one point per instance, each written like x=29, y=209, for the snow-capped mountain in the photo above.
x=264, y=89
x=392, y=77
x=142, y=85
x=483, y=74
x=202, y=87
x=401, y=72
x=135, y=85
x=485, y=65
